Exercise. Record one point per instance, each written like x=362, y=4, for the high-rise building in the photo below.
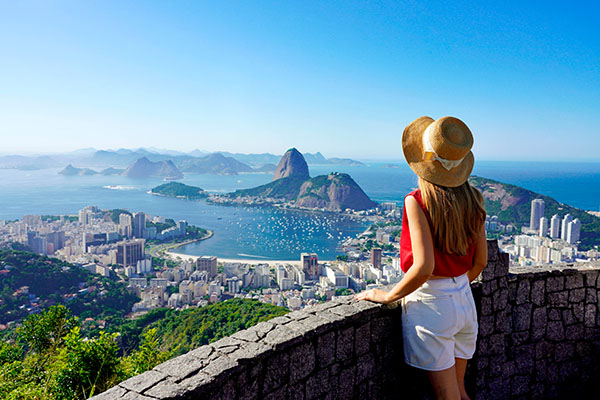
x=537, y=212
x=376, y=257
x=573, y=231
x=310, y=264
x=38, y=244
x=125, y=225
x=554, y=226
x=139, y=224
x=208, y=264
x=543, y=226
x=129, y=252
x=565, y=223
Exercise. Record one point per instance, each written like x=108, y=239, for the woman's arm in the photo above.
x=423, y=258
x=481, y=256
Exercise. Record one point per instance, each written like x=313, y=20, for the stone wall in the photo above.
x=538, y=335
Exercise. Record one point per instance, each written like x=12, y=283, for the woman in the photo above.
x=442, y=249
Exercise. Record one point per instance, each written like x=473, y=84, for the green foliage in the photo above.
x=148, y=356
x=10, y=352
x=343, y=292
x=86, y=367
x=184, y=330
x=343, y=257
x=51, y=279
x=43, y=332
x=285, y=188
x=176, y=189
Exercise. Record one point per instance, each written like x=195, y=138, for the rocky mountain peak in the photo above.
x=291, y=164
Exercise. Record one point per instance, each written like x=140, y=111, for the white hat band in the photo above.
x=448, y=164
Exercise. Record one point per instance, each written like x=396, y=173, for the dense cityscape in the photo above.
x=140, y=250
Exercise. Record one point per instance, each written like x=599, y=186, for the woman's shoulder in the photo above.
x=415, y=193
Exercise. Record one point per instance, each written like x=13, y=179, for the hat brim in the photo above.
x=432, y=170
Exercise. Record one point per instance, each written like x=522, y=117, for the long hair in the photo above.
x=456, y=214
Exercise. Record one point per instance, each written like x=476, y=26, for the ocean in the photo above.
x=267, y=233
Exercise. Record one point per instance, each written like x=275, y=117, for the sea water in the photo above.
x=252, y=232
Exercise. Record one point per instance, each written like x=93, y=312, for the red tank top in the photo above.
x=445, y=264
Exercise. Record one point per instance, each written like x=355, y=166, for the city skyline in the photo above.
x=340, y=78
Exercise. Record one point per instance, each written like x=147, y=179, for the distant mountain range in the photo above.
x=195, y=161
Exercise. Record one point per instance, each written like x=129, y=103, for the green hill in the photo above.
x=182, y=331
x=49, y=281
x=176, y=189
x=512, y=204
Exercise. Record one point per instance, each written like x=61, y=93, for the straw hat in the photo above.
x=439, y=151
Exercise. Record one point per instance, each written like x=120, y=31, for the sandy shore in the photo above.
x=174, y=254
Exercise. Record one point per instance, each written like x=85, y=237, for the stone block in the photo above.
x=554, y=314
x=167, y=389
x=276, y=372
x=282, y=337
x=295, y=392
x=345, y=344
x=325, y=349
x=591, y=296
x=262, y=328
x=578, y=311
x=519, y=385
x=574, y=281
x=575, y=331
x=576, y=295
x=540, y=370
x=539, y=321
x=250, y=351
x=568, y=317
x=486, y=306
x=247, y=382
x=544, y=350
x=365, y=367
x=520, y=338
x=116, y=392
x=558, y=299
x=538, y=293
x=362, y=339
x=590, y=315
x=500, y=300
x=142, y=382
x=486, y=325
x=248, y=335
x=277, y=394
x=555, y=283
x=555, y=331
x=590, y=278
x=314, y=384
x=497, y=344
x=181, y=367
x=522, y=317
x=302, y=361
x=564, y=351
x=523, y=291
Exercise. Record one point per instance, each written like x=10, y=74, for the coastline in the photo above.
x=248, y=261
x=166, y=250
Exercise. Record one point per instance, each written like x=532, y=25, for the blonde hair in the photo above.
x=457, y=215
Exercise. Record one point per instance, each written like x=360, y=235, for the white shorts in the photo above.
x=439, y=323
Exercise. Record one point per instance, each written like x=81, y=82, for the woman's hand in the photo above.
x=376, y=295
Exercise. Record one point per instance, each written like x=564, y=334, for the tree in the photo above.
x=43, y=332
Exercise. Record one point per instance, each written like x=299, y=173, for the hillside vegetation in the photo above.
x=50, y=358
x=30, y=282
x=512, y=204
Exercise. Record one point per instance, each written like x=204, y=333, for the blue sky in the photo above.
x=343, y=78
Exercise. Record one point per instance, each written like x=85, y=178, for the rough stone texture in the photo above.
x=539, y=337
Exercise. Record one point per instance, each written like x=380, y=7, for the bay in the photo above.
x=247, y=232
